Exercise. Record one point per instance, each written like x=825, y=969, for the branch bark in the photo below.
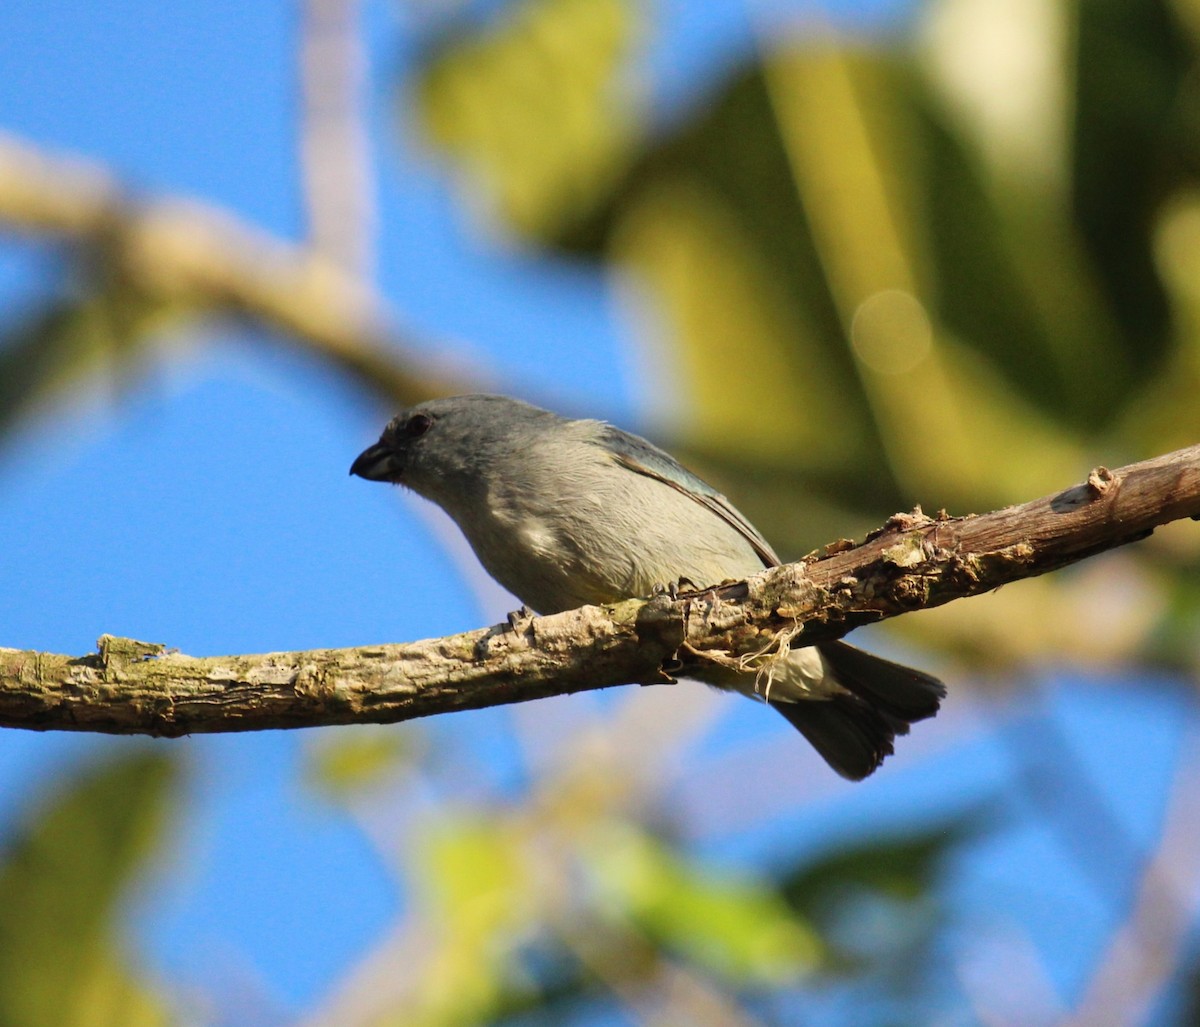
x=913, y=562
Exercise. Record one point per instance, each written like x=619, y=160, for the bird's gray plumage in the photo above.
x=568, y=512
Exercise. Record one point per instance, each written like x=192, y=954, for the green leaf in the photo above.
x=528, y=104
x=1136, y=141
x=72, y=343
x=471, y=876
x=342, y=763
x=734, y=926
x=62, y=877
x=891, y=877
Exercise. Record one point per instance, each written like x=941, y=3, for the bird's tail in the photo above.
x=854, y=729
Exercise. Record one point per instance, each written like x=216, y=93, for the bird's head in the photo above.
x=446, y=449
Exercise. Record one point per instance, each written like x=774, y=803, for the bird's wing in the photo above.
x=639, y=455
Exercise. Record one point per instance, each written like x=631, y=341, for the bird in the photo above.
x=564, y=513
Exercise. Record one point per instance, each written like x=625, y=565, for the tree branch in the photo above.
x=913, y=562
x=185, y=251
x=335, y=142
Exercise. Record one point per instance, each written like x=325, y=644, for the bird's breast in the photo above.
x=581, y=533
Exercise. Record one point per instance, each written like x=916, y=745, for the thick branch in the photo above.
x=913, y=562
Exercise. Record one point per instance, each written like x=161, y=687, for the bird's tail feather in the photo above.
x=854, y=730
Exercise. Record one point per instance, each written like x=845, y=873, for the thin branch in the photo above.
x=913, y=562
x=1147, y=950
x=335, y=146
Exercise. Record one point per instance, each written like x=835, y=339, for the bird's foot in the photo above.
x=519, y=620
x=673, y=588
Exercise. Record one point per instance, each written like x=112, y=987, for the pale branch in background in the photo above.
x=335, y=144
x=1144, y=953
x=185, y=252
x=914, y=562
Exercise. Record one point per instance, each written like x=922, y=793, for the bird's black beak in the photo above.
x=379, y=462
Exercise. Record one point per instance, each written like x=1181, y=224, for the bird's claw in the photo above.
x=519, y=620
x=672, y=589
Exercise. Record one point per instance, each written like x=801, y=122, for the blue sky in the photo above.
x=206, y=505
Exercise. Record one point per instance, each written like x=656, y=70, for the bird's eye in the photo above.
x=418, y=424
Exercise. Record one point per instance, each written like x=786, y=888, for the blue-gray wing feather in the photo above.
x=645, y=458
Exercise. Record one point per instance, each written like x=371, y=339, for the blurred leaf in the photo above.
x=1158, y=417
x=1014, y=283
x=343, y=763
x=61, y=880
x=1135, y=142
x=471, y=876
x=1175, y=639
x=547, y=987
x=60, y=345
x=874, y=903
x=73, y=343
x=711, y=220
x=528, y=104
x=736, y=927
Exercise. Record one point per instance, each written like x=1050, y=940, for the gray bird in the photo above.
x=563, y=513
